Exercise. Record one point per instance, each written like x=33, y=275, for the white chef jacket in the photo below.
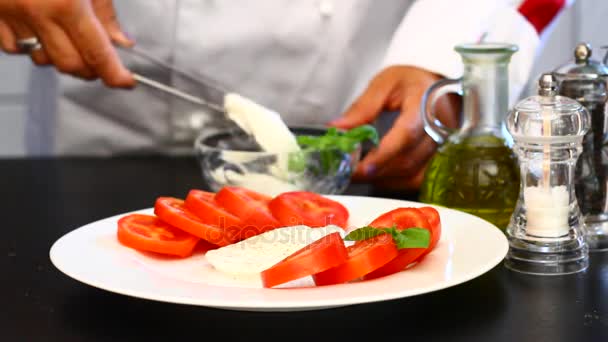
x=306, y=59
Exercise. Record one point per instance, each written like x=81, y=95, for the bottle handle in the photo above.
x=433, y=127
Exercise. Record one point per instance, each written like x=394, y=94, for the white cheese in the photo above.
x=252, y=256
x=272, y=134
x=265, y=125
x=271, y=185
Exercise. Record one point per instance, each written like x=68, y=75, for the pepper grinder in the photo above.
x=585, y=81
x=546, y=229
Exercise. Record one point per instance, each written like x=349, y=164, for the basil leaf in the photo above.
x=413, y=238
x=297, y=162
x=347, y=141
x=308, y=140
x=407, y=238
x=345, y=144
x=332, y=132
x=334, y=139
x=328, y=161
x=364, y=233
x=362, y=133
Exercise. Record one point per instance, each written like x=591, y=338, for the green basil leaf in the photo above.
x=328, y=161
x=346, y=144
x=334, y=139
x=307, y=140
x=332, y=132
x=347, y=141
x=362, y=133
x=413, y=238
x=297, y=162
x=407, y=238
x=364, y=233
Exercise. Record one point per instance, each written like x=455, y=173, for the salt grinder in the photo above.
x=585, y=81
x=546, y=229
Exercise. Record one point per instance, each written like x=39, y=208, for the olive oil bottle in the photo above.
x=478, y=175
x=474, y=169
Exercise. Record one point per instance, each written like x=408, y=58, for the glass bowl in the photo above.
x=233, y=158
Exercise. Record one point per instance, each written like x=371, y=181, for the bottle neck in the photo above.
x=486, y=96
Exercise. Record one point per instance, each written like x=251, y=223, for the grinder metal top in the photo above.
x=583, y=65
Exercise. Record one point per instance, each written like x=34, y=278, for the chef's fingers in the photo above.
x=104, y=9
x=382, y=93
x=401, y=183
x=96, y=49
x=405, y=131
x=407, y=164
x=8, y=39
x=61, y=50
x=408, y=129
x=22, y=31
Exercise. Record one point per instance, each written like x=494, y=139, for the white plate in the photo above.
x=468, y=248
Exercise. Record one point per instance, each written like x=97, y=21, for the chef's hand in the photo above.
x=400, y=159
x=76, y=36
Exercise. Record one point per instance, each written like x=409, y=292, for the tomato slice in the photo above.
x=325, y=253
x=173, y=211
x=434, y=219
x=203, y=204
x=251, y=207
x=401, y=218
x=308, y=208
x=148, y=233
x=363, y=258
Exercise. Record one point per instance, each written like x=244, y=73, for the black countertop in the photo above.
x=44, y=199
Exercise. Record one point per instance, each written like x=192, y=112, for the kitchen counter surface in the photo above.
x=43, y=199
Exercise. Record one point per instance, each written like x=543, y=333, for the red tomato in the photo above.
x=434, y=219
x=250, y=206
x=172, y=211
x=149, y=233
x=308, y=208
x=204, y=205
x=363, y=258
x=401, y=218
x=323, y=254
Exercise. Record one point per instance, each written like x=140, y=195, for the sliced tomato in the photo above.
x=250, y=206
x=173, y=211
x=401, y=218
x=149, y=233
x=363, y=258
x=203, y=204
x=434, y=219
x=308, y=208
x=323, y=254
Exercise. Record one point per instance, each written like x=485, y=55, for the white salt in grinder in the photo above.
x=546, y=231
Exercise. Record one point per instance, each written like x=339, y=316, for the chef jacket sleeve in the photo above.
x=431, y=28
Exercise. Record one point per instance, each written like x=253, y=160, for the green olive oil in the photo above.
x=478, y=175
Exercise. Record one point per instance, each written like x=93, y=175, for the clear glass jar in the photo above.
x=474, y=169
x=546, y=231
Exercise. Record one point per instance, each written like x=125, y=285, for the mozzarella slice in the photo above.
x=265, y=125
x=252, y=256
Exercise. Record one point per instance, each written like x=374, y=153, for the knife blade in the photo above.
x=176, y=92
x=206, y=87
